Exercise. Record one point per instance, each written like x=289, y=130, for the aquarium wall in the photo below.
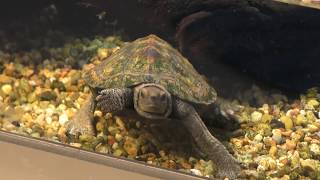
x=160, y=89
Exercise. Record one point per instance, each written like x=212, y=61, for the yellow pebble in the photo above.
x=287, y=122
x=273, y=150
x=6, y=89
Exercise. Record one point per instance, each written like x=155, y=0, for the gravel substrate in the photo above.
x=41, y=89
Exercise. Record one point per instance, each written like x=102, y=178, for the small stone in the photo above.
x=49, y=119
x=309, y=164
x=48, y=96
x=258, y=138
x=118, y=137
x=276, y=135
x=103, y=53
x=185, y=165
x=301, y=120
x=113, y=130
x=36, y=135
x=102, y=148
x=78, y=145
x=49, y=133
x=120, y=123
x=312, y=128
x=256, y=116
x=86, y=138
x=100, y=126
x=40, y=119
x=315, y=149
x=273, y=151
x=287, y=122
x=313, y=103
x=63, y=118
x=131, y=146
x=295, y=159
x=274, y=123
x=196, y=172
x=115, y=146
x=291, y=145
x=6, y=89
x=9, y=127
x=118, y=152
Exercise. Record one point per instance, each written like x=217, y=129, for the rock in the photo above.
x=309, y=164
x=5, y=79
x=6, y=89
x=256, y=116
x=313, y=103
x=274, y=123
x=287, y=122
x=295, y=159
x=48, y=96
x=78, y=145
x=120, y=122
x=315, y=149
x=301, y=120
x=58, y=84
x=276, y=135
x=312, y=128
x=258, y=138
x=100, y=126
x=63, y=118
x=196, y=172
x=273, y=151
x=291, y=145
x=118, y=137
x=131, y=146
x=118, y=152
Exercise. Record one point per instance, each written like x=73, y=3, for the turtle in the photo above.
x=151, y=77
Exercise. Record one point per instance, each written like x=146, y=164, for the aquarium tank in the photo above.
x=225, y=89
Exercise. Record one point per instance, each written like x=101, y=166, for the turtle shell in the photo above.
x=151, y=60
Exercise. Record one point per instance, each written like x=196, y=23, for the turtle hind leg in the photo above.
x=82, y=121
x=209, y=145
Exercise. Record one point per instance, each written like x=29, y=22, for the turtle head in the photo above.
x=152, y=101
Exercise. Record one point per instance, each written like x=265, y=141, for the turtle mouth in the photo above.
x=152, y=109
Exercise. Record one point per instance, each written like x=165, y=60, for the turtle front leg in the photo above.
x=114, y=100
x=209, y=145
x=81, y=123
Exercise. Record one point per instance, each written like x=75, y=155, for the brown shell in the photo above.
x=151, y=60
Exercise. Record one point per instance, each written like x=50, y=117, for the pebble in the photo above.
x=273, y=151
x=6, y=89
x=256, y=116
x=312, y=128
x=118, y=137
x=315, y=149
x=309, y=164
x=291, y=145
x=196, y=172
x=277, y=136
x=301, y=120
x=63, y=118
x=258, y=138
x=131, y=146
x=288, y=124
x=313, y=103
x=78, y=145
